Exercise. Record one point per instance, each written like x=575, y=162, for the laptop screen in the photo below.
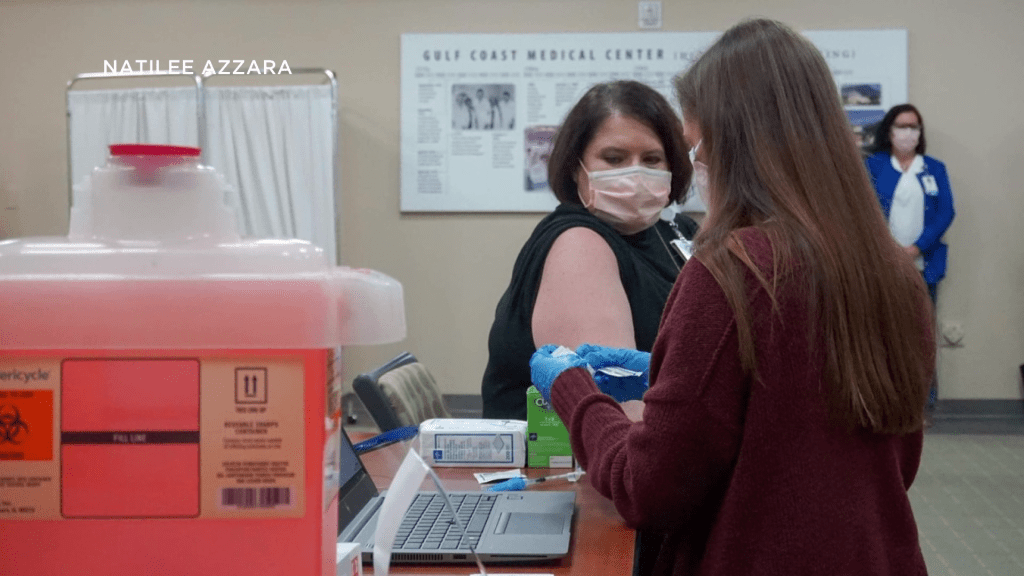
x=356, y=488
x=348, y=462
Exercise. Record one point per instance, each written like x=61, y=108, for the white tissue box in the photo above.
x=473, y=442
x=350, y=562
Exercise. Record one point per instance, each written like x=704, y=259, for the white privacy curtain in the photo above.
x=273, y=145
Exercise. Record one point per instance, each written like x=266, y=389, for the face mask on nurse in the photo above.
x=905, y=138
x=630, y=199
x=700, y=175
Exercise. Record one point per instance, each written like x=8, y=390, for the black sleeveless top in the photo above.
x=647, y=268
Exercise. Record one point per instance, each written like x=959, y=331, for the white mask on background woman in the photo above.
x=629, y=199
x=904, y=140
x=700, y=175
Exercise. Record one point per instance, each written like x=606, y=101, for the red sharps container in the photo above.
x=169, y=399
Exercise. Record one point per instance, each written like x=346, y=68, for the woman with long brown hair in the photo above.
x=783, y=424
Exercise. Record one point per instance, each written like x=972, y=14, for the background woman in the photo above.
x=914, y=191
x=782, y=427
x=915, y=195
x=600, y=267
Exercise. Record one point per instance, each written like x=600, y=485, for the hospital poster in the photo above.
x=478, y=111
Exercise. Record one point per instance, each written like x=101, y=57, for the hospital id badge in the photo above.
x=930, y=187
x=683, y=247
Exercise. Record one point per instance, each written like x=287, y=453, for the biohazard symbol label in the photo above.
x=26, y=424
x=11, y=425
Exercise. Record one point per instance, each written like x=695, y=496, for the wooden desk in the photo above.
x=601, y=542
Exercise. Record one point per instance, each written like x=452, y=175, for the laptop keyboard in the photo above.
x=428, y=524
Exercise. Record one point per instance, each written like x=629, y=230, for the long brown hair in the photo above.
x=781, y=158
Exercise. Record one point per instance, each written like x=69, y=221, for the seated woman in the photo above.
x=600, y=267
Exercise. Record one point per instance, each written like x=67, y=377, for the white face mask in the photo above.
x=630, y=199
x=905, y=139
x=700, y=175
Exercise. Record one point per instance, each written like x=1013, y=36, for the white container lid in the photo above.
x=153, y=261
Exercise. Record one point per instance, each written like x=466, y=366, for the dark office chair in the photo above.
x=400, y=393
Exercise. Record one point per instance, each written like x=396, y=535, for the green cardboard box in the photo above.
x=547, y=439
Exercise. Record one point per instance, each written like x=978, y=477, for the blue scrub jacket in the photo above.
x=938, y=208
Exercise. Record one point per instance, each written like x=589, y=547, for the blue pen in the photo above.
x=516, y=484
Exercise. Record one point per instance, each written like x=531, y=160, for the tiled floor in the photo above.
x=968, y=499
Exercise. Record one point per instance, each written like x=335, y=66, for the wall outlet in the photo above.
x=952, y=334
x=9, y=225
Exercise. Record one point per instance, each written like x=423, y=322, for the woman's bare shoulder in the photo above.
x=580, y=246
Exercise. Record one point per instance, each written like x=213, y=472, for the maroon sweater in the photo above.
x=745, y=477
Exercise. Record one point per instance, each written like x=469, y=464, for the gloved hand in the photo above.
x=545, y=366
x=620, y=387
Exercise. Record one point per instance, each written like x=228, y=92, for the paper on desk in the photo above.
x=486, y=477
x=400, y=495
x=619, y=371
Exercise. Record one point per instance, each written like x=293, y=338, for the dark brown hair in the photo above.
x=780, y=158
x=627, y=98
x=882, y=141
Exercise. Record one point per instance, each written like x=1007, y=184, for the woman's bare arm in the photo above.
x=581, y=298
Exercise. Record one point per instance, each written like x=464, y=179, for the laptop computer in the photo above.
x=503, y=527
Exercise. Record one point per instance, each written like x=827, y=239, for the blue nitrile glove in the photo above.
x=622, y=388
x=545, y=367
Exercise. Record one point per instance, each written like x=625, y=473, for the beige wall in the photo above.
x=964, y=75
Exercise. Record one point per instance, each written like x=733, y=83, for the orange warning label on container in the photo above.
x=26, y=424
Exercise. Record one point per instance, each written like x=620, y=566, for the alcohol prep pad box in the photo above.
x=548, y=439
x=473, y=442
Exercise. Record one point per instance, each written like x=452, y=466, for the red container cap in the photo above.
x=152, y=150
x=148, y=158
